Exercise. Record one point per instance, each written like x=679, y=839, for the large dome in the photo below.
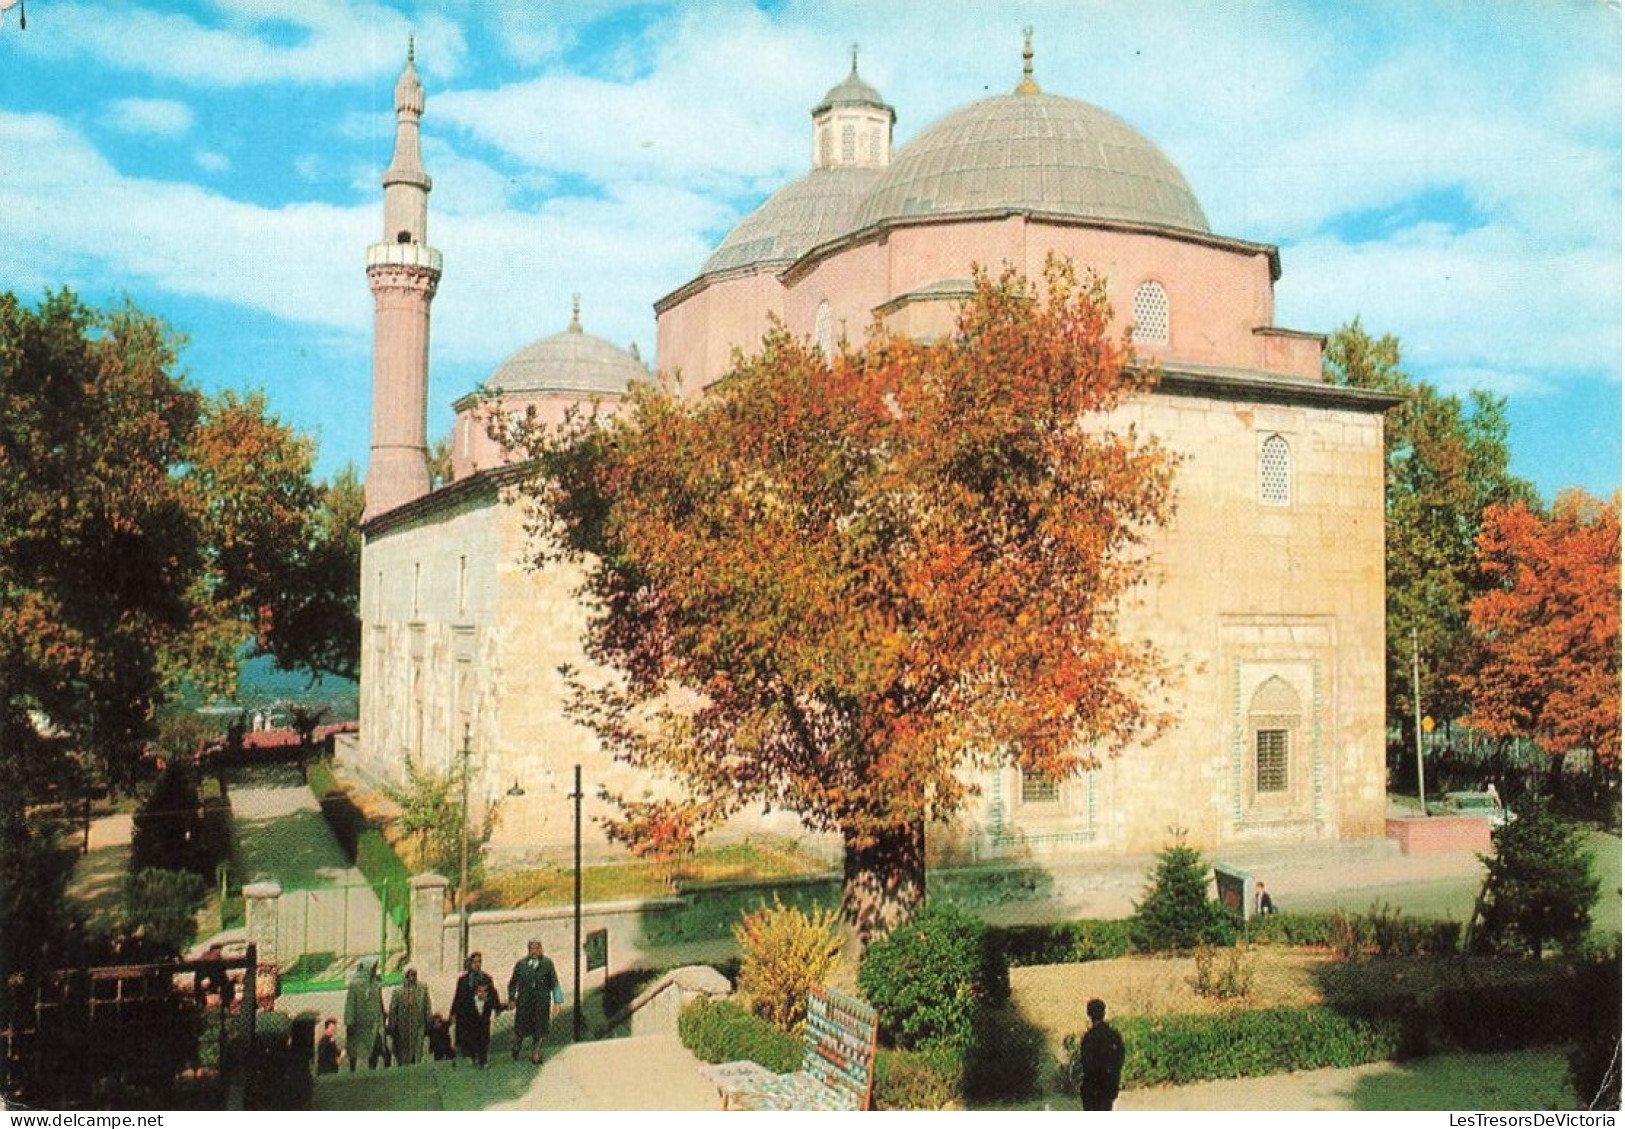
x=795, y=219
x=571, y=361
x=1037, y=152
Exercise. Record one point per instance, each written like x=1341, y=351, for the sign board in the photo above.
x=1235, y=889
x=595, y=946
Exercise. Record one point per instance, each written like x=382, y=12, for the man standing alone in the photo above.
x=1100, y=1059
x=533, y=990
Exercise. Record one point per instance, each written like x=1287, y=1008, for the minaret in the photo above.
x=403, y=271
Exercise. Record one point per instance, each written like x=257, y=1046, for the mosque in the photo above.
x=1267, y=588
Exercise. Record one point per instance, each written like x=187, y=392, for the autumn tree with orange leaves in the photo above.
x=842, y=586
x=1548, y=628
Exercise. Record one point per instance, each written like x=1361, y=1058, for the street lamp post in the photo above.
x=576, y=796
x=462, y=862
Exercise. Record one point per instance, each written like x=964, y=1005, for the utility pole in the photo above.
x=1416, y=696
x=576, y=796
x=462, y=863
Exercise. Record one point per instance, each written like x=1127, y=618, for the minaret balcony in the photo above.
x=419, y=255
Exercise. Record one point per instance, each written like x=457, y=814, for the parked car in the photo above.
x=1487, y=804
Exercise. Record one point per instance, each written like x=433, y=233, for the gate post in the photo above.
x=261, y=905
x=427, y=940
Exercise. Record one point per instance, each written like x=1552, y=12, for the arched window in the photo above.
x=1150, y=314
x=1275, y=472
x=824, y=329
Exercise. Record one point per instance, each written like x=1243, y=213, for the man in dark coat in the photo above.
x=408, y=1019
x=472, y=1005
x=533, y=991
x=1100, y=1059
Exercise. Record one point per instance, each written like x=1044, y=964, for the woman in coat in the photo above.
x=472, y=1006
x=364, y=1016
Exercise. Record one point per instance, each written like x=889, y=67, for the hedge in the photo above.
x=1064, y=942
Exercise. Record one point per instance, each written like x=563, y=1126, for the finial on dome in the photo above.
x=411, y=48
x=1027, y=85
x=575, y=312
x=854, y=58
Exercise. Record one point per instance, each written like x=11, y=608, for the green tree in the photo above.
x=1447, y=461
x=144, y=530
x=928, y=979
x=1539, y=886
x=831, y=585
x=1176, y=915
x=314, y=620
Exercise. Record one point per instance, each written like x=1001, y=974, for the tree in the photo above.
x=1547, y=627
x=834, y=585
x=142, y=527
x=1539, y=887
x=1446, y=463
x=1176, y=913
x=314, y=615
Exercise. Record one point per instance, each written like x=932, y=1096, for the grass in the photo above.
x=747, y=862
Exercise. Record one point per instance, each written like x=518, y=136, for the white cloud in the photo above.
x=211, y=161
x=319, y=42
x=155, y=117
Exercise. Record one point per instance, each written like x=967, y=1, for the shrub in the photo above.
x=1293, y=929
x=1178, y=1049
x=168, y=831
x=1223, y=974
x=160, y=907
x=1066, y=942
x=1351, y=935
x=1540, y=886
x=927, y=978
x=784, y=953
x=1594, y=1061
x=1394, y=935
x=1176, y=914
x=927, y=1079
x=722, y=1031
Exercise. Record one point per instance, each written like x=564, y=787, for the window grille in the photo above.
x=1150, y=314
x=1039, y=790
x=1272, y=760
x=849, y=144
x=824, y=329
x=1275, y=472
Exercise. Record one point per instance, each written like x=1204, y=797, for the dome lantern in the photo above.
x=852, y=126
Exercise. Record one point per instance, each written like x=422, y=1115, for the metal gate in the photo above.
x=167, y=1035
x=323, y=933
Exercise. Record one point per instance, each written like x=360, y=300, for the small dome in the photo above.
x=1038, y=152
x=795, y=219
x=853, y=91
x=573, y=362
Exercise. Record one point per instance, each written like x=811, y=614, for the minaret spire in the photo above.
x=404, y=273
x=1027, y=85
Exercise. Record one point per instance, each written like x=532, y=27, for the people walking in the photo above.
x=1100, y=1059
x=533, y=993
x=472, y=1006
x=364, y=1016
x=409, y=1018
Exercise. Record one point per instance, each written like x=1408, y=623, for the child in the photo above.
x=440, y=1039
x=328, y=1052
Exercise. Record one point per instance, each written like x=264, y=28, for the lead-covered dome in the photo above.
x=1035, y=152
x=572, y=361
x=795, y=219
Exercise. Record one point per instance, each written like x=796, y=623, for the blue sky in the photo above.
x=1449, y=172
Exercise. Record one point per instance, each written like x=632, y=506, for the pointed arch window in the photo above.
x=1150, y=314
x=1275, y=471
x=824, y=329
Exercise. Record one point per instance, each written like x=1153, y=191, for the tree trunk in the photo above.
x=884, y=882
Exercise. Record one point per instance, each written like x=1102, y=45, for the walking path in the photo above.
x=281, y=833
